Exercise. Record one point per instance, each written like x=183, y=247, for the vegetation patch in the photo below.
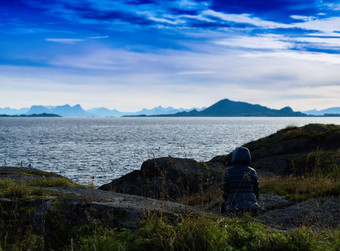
x=53, y=182
x=43, y=174
x=311, y=131
x=317, y=163
x=201, y=233
x=301, y=188
x=190, y=233
x=14, y=190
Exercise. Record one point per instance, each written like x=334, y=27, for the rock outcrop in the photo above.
x=294, y=150
x=77, y=205
x=318, y=213
x=168, y=178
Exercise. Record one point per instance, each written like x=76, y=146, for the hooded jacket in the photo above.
x=241, y=186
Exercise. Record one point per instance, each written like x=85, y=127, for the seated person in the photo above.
x=241, y=185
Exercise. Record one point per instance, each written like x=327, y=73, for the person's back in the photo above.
x=241, y=186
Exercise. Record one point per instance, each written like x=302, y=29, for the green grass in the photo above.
x=323, y=180
x=189, y=233
x=202, y=233
x=53, y=182
x=301, y=188
x=11, y=189
x=33, y=188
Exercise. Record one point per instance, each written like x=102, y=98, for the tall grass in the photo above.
x=301, y=188
x=52, y=182
x=205, y=233
x=318, y=183
x=11, y=189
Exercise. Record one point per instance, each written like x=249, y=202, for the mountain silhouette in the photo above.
x=329, y=111
x=229, y=108
x=64, y=110
x=11, y=111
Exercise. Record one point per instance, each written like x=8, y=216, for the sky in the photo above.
x=133, y=54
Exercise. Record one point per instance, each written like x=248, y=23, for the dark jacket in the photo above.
x=241, y=185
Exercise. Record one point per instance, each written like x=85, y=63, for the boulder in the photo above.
x=317, y=213
x=77, y=206
x=168, y=178
x=117, y=210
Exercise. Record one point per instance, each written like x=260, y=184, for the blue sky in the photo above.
x=144, y=53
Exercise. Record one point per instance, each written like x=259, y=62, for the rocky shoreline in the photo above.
x=162, y=185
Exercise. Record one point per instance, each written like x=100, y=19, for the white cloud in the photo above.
x=99, y=37
x=259, y=42
x=245, y=19
x=303, y=18
x=320, y=42
x=325, y=25
x=317, y=57
x=64, y=40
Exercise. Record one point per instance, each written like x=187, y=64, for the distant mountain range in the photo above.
x=31, y=115
x=104, y=112
x=229, y=108
x=64, y=110
x=11, y=111
x=223, y=108
x=329, y=111
x=78, y=111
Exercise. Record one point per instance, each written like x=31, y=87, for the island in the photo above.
x=31, y=115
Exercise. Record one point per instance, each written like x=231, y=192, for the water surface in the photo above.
x=101, y=149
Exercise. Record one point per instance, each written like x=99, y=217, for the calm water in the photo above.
x=99, y=150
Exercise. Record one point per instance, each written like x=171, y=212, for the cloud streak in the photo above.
x=64, y=40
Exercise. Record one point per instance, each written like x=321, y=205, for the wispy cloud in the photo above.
x=268, y=42
x=99, y=37
x=64, y=40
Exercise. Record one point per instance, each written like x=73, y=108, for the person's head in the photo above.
x=241, y=155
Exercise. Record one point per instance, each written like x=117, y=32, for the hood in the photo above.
x=241, y=155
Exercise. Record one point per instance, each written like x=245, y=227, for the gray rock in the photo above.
x=42, y=208
x=271, y=202
x=317, y=213
x=114, y=209
x=168, y=178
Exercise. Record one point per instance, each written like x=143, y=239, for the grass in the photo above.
x=33, y=188
x=11, y=189
x=190, y=233
x=301, y=188
x=311, y=131
x=321, y=180
x=53, y=182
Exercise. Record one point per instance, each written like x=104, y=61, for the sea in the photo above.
x=98, y=150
